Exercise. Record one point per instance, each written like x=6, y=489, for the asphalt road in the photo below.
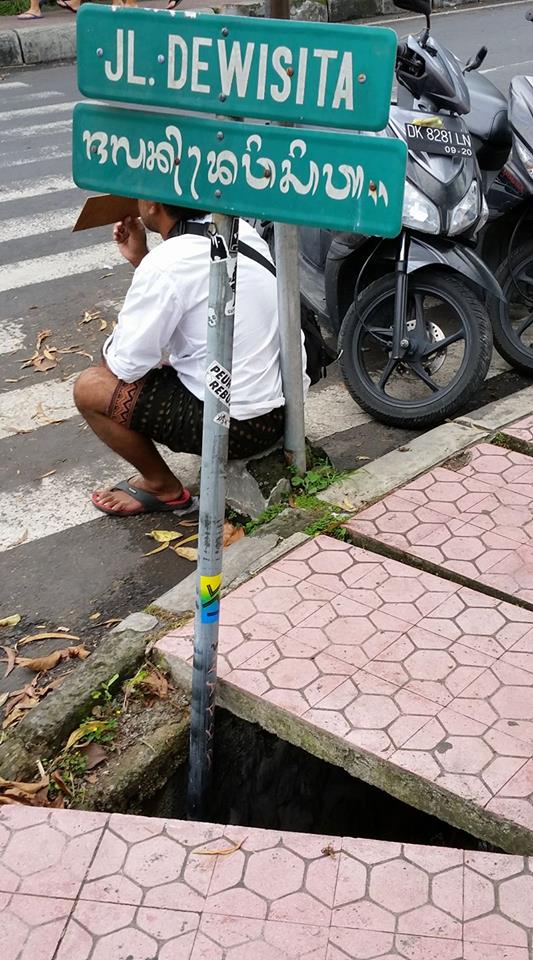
x=60, y=561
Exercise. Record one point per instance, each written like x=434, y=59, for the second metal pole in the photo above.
x=220, y=323
x=286, y=240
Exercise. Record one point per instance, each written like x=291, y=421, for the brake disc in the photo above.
x=434, y=361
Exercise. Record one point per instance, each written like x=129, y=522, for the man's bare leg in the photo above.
x=93, y=393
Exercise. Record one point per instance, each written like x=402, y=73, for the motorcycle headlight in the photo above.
x=467, y=211
x=525, y=156
x=419, y=213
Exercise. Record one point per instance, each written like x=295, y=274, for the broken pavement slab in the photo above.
x=405, y=679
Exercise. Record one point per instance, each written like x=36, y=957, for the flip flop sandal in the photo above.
x=149, y=504
x=30, y=16
x=65, y=5
x=173, y=4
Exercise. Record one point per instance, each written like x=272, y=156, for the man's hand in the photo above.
x=130, y=237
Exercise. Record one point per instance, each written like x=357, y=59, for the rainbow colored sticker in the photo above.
x=210, y=598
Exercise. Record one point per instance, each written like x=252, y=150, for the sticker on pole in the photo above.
x=210, y=598
x=218, y=381
x=223, y=419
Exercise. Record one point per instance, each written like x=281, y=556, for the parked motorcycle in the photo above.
x=415, y=335
x=502, y=134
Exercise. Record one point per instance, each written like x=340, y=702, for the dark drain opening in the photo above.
x=262, y=781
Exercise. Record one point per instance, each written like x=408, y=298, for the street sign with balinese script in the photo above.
x=335, y=75
x=308, y=177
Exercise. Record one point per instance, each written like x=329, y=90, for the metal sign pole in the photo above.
x=290, y=331
x=287, y=267
x=220, y=322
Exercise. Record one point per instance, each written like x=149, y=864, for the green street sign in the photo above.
x=309, y=177
x=294, y=71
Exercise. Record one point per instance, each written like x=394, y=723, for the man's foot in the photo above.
x=137, y=496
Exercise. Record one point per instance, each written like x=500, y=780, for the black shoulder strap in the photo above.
x=200, y=230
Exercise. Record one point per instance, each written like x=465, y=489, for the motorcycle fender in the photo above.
x=441, y=252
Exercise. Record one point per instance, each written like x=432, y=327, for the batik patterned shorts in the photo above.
x=160, y=407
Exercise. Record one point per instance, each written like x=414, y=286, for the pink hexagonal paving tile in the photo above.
x=231, y=938
x=371, y=713
x=467, y=757
x=275, y=876
x=153, y=862
x=31, y=927
x=367, y=945
x=498, y=900
x=498, y=467
x=411, y=890
x=47, y=850
x=104, y=931
x=522, y=430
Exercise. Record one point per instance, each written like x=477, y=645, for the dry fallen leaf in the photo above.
x=112, y=622
x=231, y=533
x=188, y=553
x=94, y=754
x=41, y=337
x=90, y=726
x=164, y=536
x=223, y=851
x=103, y=325
x=51, y=660
x=90, y=315
x=164, y=546
x=58, y=780
x=11, y=654
x=47, y=636
x=10, y=621
x=95, y=616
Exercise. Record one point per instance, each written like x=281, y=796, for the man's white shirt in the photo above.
x=165, y=315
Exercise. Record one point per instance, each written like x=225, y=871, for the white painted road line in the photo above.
x=18, y=228
x=57, y=266
x=34, y=188
x=31, y=407
x=43, y=129
x=11, y=85
x=54, y=152
x=65, y=107
x=11, y=335
x=59, y=503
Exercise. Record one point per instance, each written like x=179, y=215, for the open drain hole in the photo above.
x=262, y=781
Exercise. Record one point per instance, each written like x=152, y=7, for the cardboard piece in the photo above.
x=106, y=209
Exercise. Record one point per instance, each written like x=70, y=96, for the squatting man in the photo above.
x=150, y=386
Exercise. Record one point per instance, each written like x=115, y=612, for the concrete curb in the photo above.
x=26, y=46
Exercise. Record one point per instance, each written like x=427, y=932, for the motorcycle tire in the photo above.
x=507, y=340
x=435, y=408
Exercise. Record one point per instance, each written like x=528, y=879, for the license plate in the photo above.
x=442, y=140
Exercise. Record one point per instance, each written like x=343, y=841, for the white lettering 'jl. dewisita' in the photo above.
x=188, y=66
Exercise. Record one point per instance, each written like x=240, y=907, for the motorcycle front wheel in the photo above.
x=512, y=320
x=450, y=346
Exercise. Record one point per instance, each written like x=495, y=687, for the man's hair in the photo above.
x=183, y=213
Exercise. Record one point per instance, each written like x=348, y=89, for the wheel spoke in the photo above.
x=437, y=345
x=379, y=332
x=421, y=373
x=388, y=371
x=419, y=307
x=525, y=324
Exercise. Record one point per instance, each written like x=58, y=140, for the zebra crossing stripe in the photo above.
x=19, y=227
x=66, y=107
x=33, y=188
x=70, y=263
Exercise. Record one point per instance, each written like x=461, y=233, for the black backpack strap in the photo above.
x=200, y=230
